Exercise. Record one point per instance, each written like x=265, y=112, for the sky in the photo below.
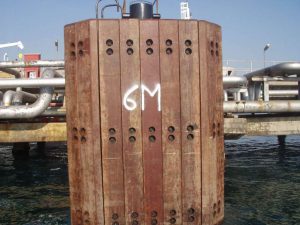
x=247, y=25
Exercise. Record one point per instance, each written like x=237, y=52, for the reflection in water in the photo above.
x=262, y=184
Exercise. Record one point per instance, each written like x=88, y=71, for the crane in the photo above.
x=19, y=44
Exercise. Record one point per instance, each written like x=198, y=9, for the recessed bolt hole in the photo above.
x=215, y=205
x=154, y=214
x=153, y=221
x=214, y=126
x=72, y=45
x=217, y=45
x=115, y=223
x=129, y=42
x=112, y=131
x=171, y=129
x=212, y=52
x=214, y=134
x=73, y=54
x=112, y=140
x=191, y=218
x=115, y=216
x=82, y=131
x=149, y=51
x=191, y=211
x=83, y=139
x=109, y=51
x=149, y=42
x=188, y=43
x=217, y=53
x=80, y=52
x=151, y=129
x=74, y=129
x=132, y=139
x=75, y=138
x=188, y=51
x=80, y=44
x=219, y=209
x=135, y=222
x=129, y=51
x=172, y=221
x=212, y=44
x=109, y=42
x=132, y=130
x=173, y=212
x=134, y=215
x=152, y=138
x=190, y=137
x=219, y=202
x=215, y=212
x=169, y=42
x=169, y=51
x=171, y=138
x=190, y=128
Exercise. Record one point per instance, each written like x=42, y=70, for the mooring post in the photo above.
x=20, y=150
x=145, y=121
x=281, y=140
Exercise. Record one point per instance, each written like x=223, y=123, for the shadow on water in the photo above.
x=262, y=184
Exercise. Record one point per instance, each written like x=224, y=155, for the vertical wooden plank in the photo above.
x=111, y=121
x=88, y=124
x=190, y=122
x=131, y=122
x=74, y=162
x=171, y=128
x=214, y=35
x=151, y=121
x=212, y=128
x=96, y=125
x=205, y=126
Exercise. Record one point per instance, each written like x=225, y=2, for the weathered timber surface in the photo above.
x=132, y=125
x=83, y=121
x=190, y=122
x=211, y=123
x=111, y=121
x=171, y=123
x=151, y=122
x=145, y=129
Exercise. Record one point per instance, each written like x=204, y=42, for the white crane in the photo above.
x=19, y=44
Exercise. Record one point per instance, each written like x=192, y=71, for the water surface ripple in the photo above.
x=262, y=184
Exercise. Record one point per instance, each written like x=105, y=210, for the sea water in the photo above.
x=262, y=184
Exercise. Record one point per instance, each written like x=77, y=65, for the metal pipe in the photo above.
x=234, y=81
x=262, y=107
x=1, y=98
x=32, y=83
x=108, y=6
x=35, y=109
x=37, y=63
x=8, y=97
x=283, y=92
x=281, y=69
x=23, y=97
x=10, y=71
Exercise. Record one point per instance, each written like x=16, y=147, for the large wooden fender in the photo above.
x=145, y=122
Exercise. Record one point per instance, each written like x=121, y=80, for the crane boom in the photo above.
x=19, y=44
